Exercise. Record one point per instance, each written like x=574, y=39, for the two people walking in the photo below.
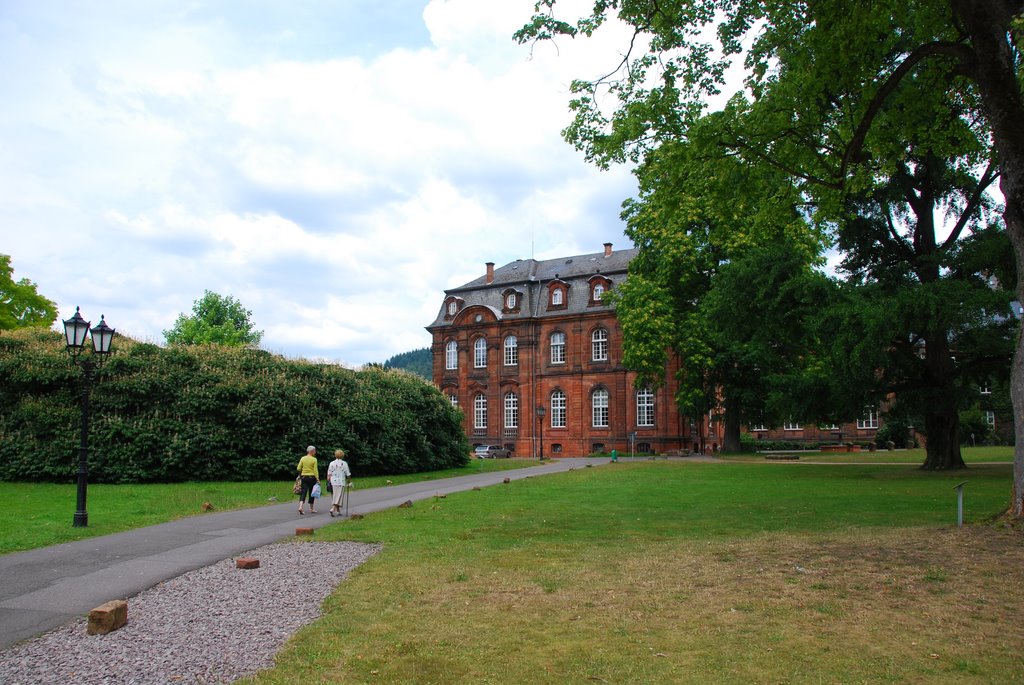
x=338, y=475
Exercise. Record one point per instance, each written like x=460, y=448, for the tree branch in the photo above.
x=961, y=53
x=987, y=179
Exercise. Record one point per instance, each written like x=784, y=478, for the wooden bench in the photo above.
x=782, y=456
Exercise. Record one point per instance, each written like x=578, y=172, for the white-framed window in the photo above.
x=451, y=355
x=454, y=399
x=452, y=307
x=556, y=297
x=869, y=420
x=830, y=427
x=792, y=426
x=558, y=348
x=558, y=409
x=599, y=345
x=511, y=410
x=480, y=411
x=758, y=427
x=599, y=408
x=598, y=291
x=480, y=353
x=511, y=350
x=510, y=301
x=990, y=417
x=985, y=389
x=645, y=407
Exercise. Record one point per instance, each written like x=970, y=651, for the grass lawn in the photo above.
x=40, y=514
x=680, y=572
x=971, y=455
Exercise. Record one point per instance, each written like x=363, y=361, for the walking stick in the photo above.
x=348, y=492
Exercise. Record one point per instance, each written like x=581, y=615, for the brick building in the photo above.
x=532, y=353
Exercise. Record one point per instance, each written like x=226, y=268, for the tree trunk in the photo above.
x=1017, y=396
x=731, y=429
x=942, y=418
x=943, y=451
x=987, y=22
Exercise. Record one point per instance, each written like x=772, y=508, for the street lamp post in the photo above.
x=541, y=411
x=76, y=329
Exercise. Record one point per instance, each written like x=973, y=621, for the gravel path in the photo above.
x=212, y=625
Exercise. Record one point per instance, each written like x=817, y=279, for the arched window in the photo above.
x=599, y=408
x=480, y=411
x=511, y=351
x=480, y=353
x=558, y=348
x=510, y=301
x=511, y=410
x=598, y=291
x=556, y=297
x=599, y=345
x=452, y=308
x=869, y=420
x=454, y=399
x=451, y=355
x=558, y=409
x=644, y=407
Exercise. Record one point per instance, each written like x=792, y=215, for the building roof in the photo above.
x=531, y=278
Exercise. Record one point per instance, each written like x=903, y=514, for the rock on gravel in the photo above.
x=212, y=625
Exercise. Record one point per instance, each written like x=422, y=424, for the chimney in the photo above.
x=607, y=249
x=490, y=272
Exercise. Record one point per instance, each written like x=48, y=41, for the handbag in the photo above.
x=330, y=487
x=316, y=491
x=297, y=488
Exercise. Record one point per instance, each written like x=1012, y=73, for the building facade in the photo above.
x=532, y=354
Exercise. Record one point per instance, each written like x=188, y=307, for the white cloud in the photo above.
x=336, y=194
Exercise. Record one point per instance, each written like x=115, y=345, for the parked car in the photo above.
x=491, y=452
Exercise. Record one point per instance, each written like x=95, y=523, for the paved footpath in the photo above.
x=44, y=588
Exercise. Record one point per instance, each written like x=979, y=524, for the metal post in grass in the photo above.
x=541, y=411
x=959, y=487
x=76, y=330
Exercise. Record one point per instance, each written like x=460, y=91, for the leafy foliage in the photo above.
x=723, y=278
x=891, y=126
x=21, y=305
x=419, y=362
x=210, y=412
x=215, y=319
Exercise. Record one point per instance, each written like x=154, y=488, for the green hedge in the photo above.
x=212, y=413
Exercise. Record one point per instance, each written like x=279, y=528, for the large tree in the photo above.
x=219, y=319
x=833, y=86
x=700, y=220
x=21, y=305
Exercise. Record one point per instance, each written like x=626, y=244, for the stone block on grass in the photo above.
x=303, y=531
x=108, y=617
x=247, y=563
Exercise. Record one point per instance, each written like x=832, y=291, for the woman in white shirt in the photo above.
x=338, y=475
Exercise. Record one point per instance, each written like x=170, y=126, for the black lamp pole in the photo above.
x=541, y=411
x=76, y=329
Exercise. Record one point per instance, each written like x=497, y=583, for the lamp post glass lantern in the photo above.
x=76, y=329
x=541, y=411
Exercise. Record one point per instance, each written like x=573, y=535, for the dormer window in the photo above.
x=599, y=287
x=452, y=306
x=558, y=294
x=512, y=300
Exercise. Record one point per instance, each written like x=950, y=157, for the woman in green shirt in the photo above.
x=309, y=469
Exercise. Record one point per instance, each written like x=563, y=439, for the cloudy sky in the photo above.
x=333, y=164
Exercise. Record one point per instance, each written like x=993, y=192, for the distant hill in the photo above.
x=418, y=362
